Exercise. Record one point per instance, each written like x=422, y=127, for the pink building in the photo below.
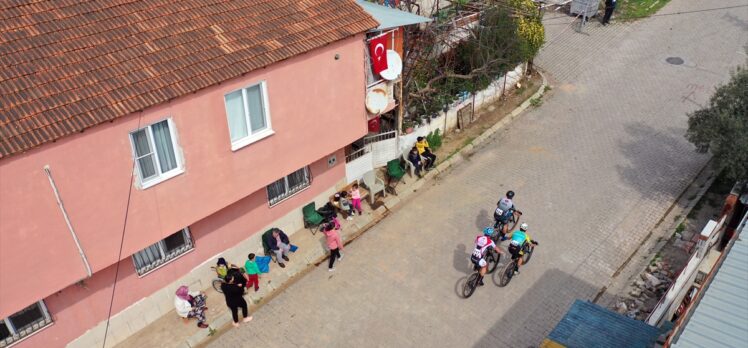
x=158, y=135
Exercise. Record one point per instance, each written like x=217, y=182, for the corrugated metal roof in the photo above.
x=721, y=316
x=389, y=17
x=589, y=325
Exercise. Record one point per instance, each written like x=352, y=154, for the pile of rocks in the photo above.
x=646, y=292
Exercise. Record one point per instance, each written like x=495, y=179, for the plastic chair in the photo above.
x=374, y=185
x=411, y=168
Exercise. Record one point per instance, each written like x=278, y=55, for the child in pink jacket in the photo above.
x=334, y=243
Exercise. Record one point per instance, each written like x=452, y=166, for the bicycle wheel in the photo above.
x=217, y=285
x=492, y=258
x=470, y=285
x=506, y=274
x=528, y=254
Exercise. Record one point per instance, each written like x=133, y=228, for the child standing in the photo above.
x=253, y=272
x=346, y=205
x=334, y=244
x=356, y=198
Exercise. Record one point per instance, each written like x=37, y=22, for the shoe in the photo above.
x=341, y=256
x=257, y=289
x=331, y=269
x=480, y=283
x=349, y=218
x=202, y=325
x=235, y=324
x=285, y=257
x=247, y=319
x=205, y=308
x=360, y=213
x=516, y=271
x=281, y=265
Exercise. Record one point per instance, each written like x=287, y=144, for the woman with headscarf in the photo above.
x=233, y=289
x=191, y=305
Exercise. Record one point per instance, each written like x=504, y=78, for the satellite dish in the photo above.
x=376, y=101
x=394, y=66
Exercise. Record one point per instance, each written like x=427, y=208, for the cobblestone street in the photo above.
x=594, y=168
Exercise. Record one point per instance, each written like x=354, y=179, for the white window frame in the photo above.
x=160, y=177
x=287, y=195
x=36, y=326
x=165, y=259
x=251, y=136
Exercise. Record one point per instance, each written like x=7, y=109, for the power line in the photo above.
x=121, y=242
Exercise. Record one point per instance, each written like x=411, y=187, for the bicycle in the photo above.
x=507, y=273
x=498, y=225
x=492, y=259
x=218, y=280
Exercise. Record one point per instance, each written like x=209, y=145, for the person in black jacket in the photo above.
x=610, y=6
x=233, y=290
x=415, y=159
x=278, y=242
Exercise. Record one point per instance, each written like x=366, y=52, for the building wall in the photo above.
x=232, y=232
x=316, y=107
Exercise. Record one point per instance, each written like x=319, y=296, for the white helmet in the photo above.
x=523, y=227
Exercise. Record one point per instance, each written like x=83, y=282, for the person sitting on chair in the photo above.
x=424, y=150
x=415, y=159
x=279, y=244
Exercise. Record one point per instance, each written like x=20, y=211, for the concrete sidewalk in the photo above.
x=172, y=331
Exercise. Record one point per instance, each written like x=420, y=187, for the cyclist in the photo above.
x=482, y=244
x=518, y=240
x=505, y=209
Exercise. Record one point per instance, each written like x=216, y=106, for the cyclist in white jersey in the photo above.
x=482, y=244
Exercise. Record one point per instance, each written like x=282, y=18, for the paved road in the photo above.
x=595, y=167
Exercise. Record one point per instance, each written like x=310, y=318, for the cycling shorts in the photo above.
x=515, y=250
x=479, y=262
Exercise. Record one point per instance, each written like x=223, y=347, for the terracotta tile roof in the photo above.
x=66, y=65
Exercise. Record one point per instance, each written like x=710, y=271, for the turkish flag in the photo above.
x=378, y=51
x=374, y=125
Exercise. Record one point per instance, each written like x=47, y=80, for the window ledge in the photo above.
x=251, y=139
x=160, y=179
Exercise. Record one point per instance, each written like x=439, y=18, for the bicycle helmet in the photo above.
x=482, y=241
x=523, y=227
x=487, y=231
x=510, y=194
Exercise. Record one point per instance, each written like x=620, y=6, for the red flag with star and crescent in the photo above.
x=378, y=51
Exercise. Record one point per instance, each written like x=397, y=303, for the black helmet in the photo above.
x=510, y=194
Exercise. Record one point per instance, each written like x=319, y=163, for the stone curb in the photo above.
x=223, y=320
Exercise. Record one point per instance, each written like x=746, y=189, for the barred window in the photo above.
x=23, y=323
x=288, y=185
x=162, y=252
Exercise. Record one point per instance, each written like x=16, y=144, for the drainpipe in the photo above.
x=67, y=220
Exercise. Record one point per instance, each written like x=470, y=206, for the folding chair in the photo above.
x=395, y=171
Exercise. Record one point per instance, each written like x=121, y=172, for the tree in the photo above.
x=722, y=127
x=450, y=58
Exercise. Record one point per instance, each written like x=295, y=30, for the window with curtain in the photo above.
x=23, y=323
x=162, y=251
x=154, y=148
x=288, y=185
x=247, y=115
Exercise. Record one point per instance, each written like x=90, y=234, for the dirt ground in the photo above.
x=487, y=116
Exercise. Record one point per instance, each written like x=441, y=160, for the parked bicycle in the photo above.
x=221, y=277
x=507, y=273
x=492, y=258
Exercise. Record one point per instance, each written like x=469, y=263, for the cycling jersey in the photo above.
x=504, y=207
x=519, y=238
x=482, y=243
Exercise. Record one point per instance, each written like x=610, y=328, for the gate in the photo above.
x=383, y=147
